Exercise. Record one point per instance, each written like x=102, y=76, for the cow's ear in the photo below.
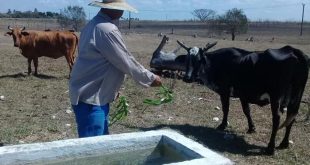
x=25, y=33
x=8, y=33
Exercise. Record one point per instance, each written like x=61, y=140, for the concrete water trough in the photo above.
x=151, y=147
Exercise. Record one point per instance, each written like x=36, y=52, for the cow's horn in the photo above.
x=9, y=27
x=23, y=28
x=209, y=46
x=181, y=44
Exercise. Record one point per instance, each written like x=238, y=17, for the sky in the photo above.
x=275, y=10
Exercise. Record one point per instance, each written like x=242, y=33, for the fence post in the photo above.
x=302, y=19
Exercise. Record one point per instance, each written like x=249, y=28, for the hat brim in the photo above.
x=114, y=5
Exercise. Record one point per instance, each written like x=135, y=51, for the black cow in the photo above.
x=275, y=76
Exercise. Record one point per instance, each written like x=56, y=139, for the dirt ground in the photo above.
x=37, y=109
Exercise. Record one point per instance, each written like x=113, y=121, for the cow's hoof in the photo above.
x=283, y=145
x=251, y=130
x=221, y=127
x=269, y=151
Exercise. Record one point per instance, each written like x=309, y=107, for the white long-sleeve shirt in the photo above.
x=101, y=65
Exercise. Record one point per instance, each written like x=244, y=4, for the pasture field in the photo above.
x=37, y=109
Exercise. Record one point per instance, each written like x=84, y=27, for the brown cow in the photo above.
x=53, y=44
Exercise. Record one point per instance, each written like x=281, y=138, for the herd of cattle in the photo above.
x=274, y=76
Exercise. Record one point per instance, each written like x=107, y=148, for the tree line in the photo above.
x=72, y=17
x=28, y=14
x=234, y=21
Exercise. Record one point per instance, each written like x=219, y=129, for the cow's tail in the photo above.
x=304, y=56
x=76, y=45
x=299, y=83
x=289, y=119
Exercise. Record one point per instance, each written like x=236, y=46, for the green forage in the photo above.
x=165, y=96
x=121, y=110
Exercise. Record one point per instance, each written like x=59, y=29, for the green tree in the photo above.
x=234, y=21
x=72, y=16
x=9, y=12
x=35, y=13
x=49, y=14
x=17, y=14
x=3, y=15
x=204, y=15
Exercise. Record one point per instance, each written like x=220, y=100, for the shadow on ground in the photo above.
x=22, y=75
x=18, y=75
x=215, y=140
x=43, y=76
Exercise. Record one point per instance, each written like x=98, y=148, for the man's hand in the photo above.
x=156, y=82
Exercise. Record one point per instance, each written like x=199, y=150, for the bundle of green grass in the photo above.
x=164, y=95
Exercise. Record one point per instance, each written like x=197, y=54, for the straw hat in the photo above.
x=114, y=4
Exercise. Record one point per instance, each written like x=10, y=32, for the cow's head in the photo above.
x=196, y=58
x=17, y=34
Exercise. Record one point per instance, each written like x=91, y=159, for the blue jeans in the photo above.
x=92, y=120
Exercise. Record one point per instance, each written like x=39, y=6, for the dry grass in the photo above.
x=34, y=108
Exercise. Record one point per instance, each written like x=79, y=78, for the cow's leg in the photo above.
x=292, y=111
x=29, y=66
x=225, y=109
x=246, y=111
x=285, y=142
x=275, y=105
x=160, y=47
x=72, y=59
x=69, y=61
x=35, y=63
x=155, y=61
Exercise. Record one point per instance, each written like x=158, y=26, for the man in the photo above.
x=98, y=73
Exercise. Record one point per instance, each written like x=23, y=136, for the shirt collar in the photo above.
x=108, y=19
x=104, y=16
